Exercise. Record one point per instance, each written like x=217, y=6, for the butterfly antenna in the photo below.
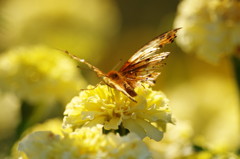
x=80, y=67
x=116, y=66
x=95, y=69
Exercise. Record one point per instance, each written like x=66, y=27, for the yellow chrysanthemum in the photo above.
x=210, y=155
x=53, y=125
x=39, y=75
x=213, y=101
x=83, y=143
x=211, y=28
x=180, y=141
x=175, y=144
x=109, y=107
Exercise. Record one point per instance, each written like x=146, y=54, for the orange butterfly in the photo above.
x=142, y=67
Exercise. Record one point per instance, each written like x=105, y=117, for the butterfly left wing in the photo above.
x=144, y=64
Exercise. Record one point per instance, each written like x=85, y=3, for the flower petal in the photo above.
x=151, y=131
x=132, y=126
x=112, y=124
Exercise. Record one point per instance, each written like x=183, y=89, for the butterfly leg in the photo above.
x=142, y=85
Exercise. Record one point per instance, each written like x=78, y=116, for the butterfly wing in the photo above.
x=144, y=64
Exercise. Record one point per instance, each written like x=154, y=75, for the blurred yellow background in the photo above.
x=37, y=80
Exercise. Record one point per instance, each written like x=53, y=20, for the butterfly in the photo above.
x=142, y=67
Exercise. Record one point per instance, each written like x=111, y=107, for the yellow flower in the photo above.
x=175, y=144
x=210, y=155
x=180, y=142
x=83, y=143
x=212, y=99
x=39, y=75
x=211, y=28
x=53, y=125
x=109, y=107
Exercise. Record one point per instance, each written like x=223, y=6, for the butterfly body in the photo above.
x=119, y=82
x=142, y=67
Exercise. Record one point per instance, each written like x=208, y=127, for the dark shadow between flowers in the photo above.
x=121, y=131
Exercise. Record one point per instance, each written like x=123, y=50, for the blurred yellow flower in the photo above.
x=53, y=125
x=211, y=155
x=211, y=28
x=83, y=143
x=180, y=142
x=212, y=109
x=109, y=107
x=175, y=144
x=39, y=75
x=76, y=25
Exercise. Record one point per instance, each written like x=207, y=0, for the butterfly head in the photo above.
x=114, y=75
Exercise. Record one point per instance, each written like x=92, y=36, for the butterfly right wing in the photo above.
x=151, y=48
x=144, y=64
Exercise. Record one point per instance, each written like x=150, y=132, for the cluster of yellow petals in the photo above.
x=211, y=28
x=39, y=75
x=109, y=107
x=82, y=144
x=180, y=142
